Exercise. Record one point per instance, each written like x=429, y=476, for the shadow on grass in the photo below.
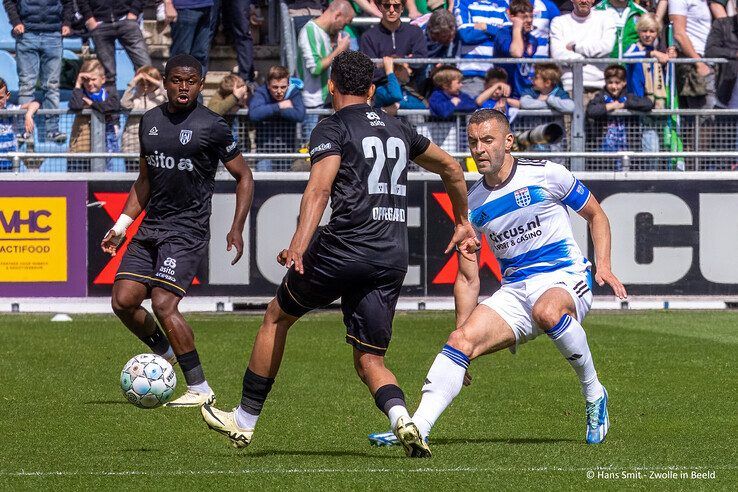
x=502, y=440
x=332, y=453
x=107, y=402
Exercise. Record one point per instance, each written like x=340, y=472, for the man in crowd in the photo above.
x=625, y=13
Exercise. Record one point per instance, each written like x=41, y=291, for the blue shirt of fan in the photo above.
x=519, y=75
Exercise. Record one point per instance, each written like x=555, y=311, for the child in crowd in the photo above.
x=9, y=126
x=396, y=93
x=547, y=91
x=232, y=95
x=614, y=97
x=145, y=91
x=648, y=79
x=90, y=93
x=448, y=98
x=496, y=94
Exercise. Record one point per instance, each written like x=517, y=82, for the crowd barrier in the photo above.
x=670, y=234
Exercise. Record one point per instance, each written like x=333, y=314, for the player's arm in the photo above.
x=312, y=206
x=136, y=202
x=436, y=160
x=244, y=195
x=599, y=227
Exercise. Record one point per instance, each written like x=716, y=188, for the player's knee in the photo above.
x=546, y=316
x=365, y=363
x=123, y=304
x=458, y=340
x=164, y=306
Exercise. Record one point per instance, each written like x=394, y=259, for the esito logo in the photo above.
x=16, y=222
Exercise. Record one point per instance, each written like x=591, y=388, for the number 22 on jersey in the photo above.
x=374, y=148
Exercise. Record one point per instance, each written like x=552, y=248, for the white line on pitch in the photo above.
x=308, y=471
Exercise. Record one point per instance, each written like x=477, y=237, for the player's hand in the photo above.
x=605, y=276
x=465, y=241
x=111, y=241
x=235, y=238
x=290, y=257
x=467, y=378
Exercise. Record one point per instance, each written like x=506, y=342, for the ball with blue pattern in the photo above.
x=148, y=381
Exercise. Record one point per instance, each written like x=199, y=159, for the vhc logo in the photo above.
x=522, y=197
x=185, y=136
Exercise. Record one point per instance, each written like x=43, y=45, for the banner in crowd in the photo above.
x=669, y=237
x=43, y=239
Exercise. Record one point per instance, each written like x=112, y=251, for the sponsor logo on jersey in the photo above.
x=231, y=146
x=154, y=131
x=522, y=197
x=185, y=136
x=167, y=270
x=374, y=119
x=320, y=148
x=164, y=161
x=517, y=234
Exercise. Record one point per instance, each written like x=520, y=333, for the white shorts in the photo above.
x=514, y=301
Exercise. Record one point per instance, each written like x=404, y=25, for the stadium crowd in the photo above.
x=477, y=31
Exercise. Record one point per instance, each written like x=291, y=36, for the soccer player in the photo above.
x=359, y=159
x=181, y=144
x=521, y=206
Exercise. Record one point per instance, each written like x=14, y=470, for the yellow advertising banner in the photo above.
x=33, y=239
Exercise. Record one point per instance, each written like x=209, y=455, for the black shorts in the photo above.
x=368, y=295
x=163, y=259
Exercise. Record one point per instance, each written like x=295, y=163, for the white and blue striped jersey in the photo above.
x=543, y=12
x=476, y=43
x=526, y=220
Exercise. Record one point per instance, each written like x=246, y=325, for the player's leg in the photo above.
x=485, y=331
x=166, y=309
x=126, y=302
x=555, y=311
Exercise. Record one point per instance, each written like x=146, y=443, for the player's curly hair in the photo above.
x=352, y=72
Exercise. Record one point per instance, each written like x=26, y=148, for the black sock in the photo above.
x=191, y=367
x=389, y=396
x=157, y=342
x=255, y=391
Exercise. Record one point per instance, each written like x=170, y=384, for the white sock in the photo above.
x=169, y=354
x=443, y=382
x=571, y=340
x=203, y=387
x=244, y=419
x=395, y=413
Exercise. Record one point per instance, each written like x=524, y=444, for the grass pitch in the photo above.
x=671, y=376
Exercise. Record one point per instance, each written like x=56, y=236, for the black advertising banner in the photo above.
x=669, y=237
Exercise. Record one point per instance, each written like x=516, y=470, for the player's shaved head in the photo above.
x=351, y=72
x=484, y=115
x=183, y=60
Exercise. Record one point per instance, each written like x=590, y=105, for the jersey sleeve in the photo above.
x=223, y=141
x=325, y=140
x=418, y=143
x=565, y=187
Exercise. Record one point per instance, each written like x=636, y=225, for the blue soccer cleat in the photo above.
x=384, y=439
x=598, y=421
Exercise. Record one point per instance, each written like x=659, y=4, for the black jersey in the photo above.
x=182, y=151
x=368, y=197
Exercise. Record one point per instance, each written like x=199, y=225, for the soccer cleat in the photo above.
x=192, y=399
x=225, y=423
x=409, y=436
x=598, y=421
x=58, y=137
x=380, y=439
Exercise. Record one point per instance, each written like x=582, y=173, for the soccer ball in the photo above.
x=148, y=381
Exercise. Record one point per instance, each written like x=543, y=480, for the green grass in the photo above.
x=671, y=377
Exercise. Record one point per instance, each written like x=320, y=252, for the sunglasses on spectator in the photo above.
x=392, y=6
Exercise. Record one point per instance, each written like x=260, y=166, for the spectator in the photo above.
x=276, y=107
x=315, y=54
x=420, y=10
x=190, y=20
x=90, y=92
x=239, y=18
x=614, y=96
x=396, y=93
x=448, y=98
x=625, y=14
x=230, y=97
x=393, y=38
x=478, y=22
x=496, y=94
x=440, y=34
x=109, y=22
x=584, y=33
x=723, y=43
x=692, y=21
x=544, y=11
x=145, y=91
x=8, y=132
x=301, y=11
x=38, y=27
x=722, y=8
x=517, y=41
